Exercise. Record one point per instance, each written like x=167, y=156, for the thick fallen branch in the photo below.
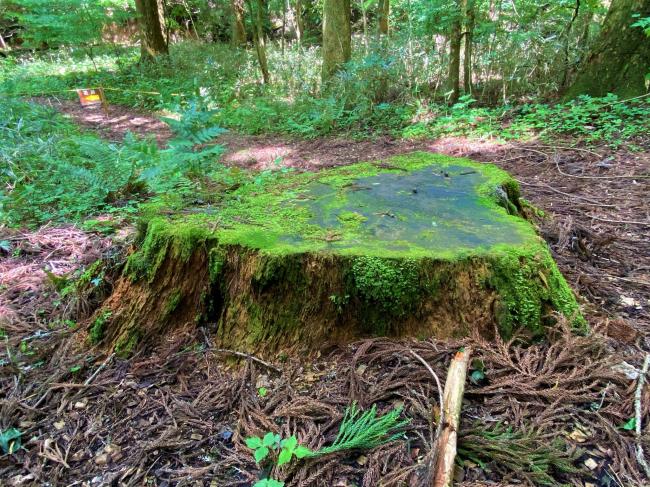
x=452, y=402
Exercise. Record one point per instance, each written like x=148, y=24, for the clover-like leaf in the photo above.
x=253, y=442
x=270, y=438
x=284, y=457
x=629, y=425
x=301, y=451
x=289, y=443
x=261, y=453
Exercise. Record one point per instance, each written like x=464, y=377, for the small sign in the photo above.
x=91, y=97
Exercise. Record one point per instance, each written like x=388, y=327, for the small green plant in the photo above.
x=359, y=430
x=98, y=327
x=272, y=443
x=10, y=440
x=364, y=430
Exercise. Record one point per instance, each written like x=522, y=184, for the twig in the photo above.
x=637, y=411
x=569, y=195
x=579, y=176
x=247, y=356
x=99, y=369
x=434, y=440
x=623, y=222
x=564, y=147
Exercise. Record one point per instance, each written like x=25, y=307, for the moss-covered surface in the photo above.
x=424, y=244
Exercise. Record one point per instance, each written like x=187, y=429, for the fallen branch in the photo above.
x=99, y=369
x=246, y=356
x=452, y=403
x=640, y=457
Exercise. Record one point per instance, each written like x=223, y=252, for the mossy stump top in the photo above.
x=421, y=245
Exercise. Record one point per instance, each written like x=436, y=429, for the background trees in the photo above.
x=150, y=18
x=497, y=51
x=336, y=36
x=620, y=57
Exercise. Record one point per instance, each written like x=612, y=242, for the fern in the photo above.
x=365, y=430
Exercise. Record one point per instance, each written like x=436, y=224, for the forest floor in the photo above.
x=178, y=416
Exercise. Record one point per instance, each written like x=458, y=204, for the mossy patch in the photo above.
x=421, y=244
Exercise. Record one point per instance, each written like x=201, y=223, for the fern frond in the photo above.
x=365, y=430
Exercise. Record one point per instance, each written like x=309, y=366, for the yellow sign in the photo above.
x=91, y=96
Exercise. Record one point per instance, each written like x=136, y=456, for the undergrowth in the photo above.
x=51, y=171
x=373, y=96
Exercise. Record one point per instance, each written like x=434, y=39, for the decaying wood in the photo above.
x=452, y=402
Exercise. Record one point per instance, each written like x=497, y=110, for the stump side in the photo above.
x=420, y=245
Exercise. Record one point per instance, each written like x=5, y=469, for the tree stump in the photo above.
x=420, y=245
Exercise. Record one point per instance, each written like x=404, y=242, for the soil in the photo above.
x=179, y=416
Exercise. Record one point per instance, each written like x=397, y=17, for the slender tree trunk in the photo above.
x=469, y=44
x=152, y=42
x=567, y=41
x=3, y=45
x=300, y=24
x=364, y=19
x=238, y=29
x=620, y=57
x=453, y=78
x=337, y=36
x=257, y=13
x=284, y=23
x=384, y=11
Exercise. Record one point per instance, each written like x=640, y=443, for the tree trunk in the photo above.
x=300, y=25
x=620, y=57
x=566, y=68
x=453, y=78
x=257, y=13
x=469, y=39
x=238, y=35
x=384, y=10
x=152, y=41
x=337, y=36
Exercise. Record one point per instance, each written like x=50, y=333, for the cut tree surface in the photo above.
x=417, y=245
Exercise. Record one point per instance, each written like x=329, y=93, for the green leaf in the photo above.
x=262, y=391
x=253, y=442
x=268, y=483
x=261, y=453
x=284, y=457
x=10, y=440
x=629, y=425
x=290, y=443
x=476, y=377
x=269, y=439
x=301, y=451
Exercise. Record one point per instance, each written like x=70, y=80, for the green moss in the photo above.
x=127, y=342
x=216, y=261
x=529, y=284
x=98, y=327
x=390, y=286
x=351, y=220
x=180, y=237
x=173, y=302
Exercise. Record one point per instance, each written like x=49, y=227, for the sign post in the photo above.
x=90, y=97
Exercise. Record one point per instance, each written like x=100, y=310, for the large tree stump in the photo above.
x=420, y=245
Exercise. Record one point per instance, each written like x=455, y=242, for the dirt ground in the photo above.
x=178, y=416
